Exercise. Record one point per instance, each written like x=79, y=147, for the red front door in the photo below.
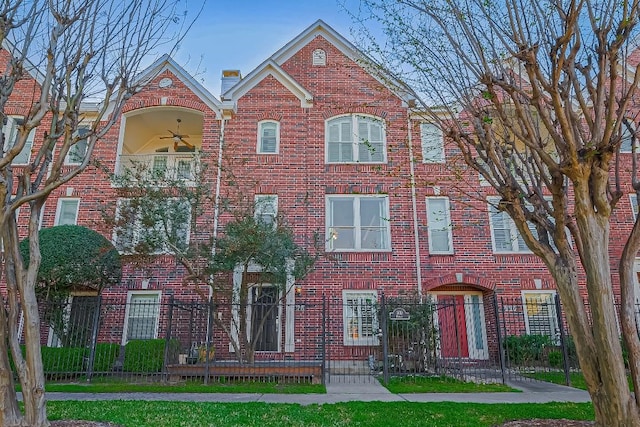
x=453, y=326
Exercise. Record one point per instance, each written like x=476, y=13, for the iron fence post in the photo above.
x=563, y=341
x=505, y=350
x=385, y=343
x=167, y=338
x=499, y=339
x=94, y=338
x=323, y=342
x=458, y=343
x=208, y=342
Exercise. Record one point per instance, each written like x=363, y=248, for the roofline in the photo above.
x=269, y=67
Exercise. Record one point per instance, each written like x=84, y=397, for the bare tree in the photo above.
x=537, y=97
x=57, y=55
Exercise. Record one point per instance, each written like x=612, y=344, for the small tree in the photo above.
x=73, y=257
x=158, y=211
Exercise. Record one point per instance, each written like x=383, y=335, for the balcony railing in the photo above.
x=161, y=166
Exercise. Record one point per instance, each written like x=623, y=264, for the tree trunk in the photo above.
x=32, y=379
x=598, y=346
x=10, y=414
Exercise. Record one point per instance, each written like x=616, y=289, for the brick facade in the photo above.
x=301, y=178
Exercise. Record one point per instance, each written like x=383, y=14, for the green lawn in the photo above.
x=418, y=384
x=188, y=387
x=577, y=379
x=370, y=414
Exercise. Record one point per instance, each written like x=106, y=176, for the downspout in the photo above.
x=412, y=183
x=216, y=202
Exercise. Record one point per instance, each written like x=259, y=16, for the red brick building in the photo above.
x=330, y=146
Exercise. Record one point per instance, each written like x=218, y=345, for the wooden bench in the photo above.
x=306, y=371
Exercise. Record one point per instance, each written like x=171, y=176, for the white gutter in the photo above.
x=216, y=203
x=416, y=239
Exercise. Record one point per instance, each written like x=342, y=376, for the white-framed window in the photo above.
x=152, y=229
x=268, y=137
x=142, y=316
x=77, y=151
x=634, y=205
x=540, y=314
x=355, y=139
x=628, y=130
x=10, y=132
x=67, y=212
x=358, y=223
x=439, y=225
x=432, y=142
x=504, y=234
x=266, y=208
x=360, y=317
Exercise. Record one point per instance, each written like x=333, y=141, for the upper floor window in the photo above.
x=439, y=223
x=77, y=151
x=432, y=143
x=268, y=137
x=628, y=130
x=161, y=228
x=634, y=205
x=358, y=223
x=266, y=208
x=355, y=139
x=504, y=233
x=10, y=131
x=67, y=212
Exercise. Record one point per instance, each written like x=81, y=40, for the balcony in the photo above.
x=161, y=167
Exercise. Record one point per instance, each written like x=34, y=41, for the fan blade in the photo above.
x=188, y=145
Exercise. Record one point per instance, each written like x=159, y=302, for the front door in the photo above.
x=452, y=326
x=264, y=318
x=461, y=325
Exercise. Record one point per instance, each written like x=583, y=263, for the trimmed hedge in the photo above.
x=57, y=360
x=148, y=355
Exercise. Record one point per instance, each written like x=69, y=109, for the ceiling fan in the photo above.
x=178, y=137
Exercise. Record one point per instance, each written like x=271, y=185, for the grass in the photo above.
x=371, y=414
x=188, y=387
x=577, y=379
x=419, y=384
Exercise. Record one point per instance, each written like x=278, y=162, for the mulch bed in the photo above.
x=548, y=423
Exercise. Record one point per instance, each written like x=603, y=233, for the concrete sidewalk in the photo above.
x=346, y=391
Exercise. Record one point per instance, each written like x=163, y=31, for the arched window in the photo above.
x=355, y=139
x=268, y=137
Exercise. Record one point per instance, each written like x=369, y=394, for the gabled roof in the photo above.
x=165, y=62
x=29, y=66
x=270, y=68
x=318, y=28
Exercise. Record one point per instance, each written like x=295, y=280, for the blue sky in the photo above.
x=241, y=34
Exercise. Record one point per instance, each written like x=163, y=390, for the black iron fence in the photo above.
x=473, y=337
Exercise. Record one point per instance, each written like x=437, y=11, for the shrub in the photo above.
x=106, y=354
x=148, y=355
x=525, y=349
x=555, y=358
x=62, y=359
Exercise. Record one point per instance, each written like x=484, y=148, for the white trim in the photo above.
x=260, y=136
x=10, y=139
x=447, y=219
x=262, y=203
x=59, y=209
x=330, y=230
x=130, y=294
x=352, y=334
x=355, y=138
x=510, y=226
x=475, y=352
x=67, y=158
x=633, y=199
x=269, y=68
